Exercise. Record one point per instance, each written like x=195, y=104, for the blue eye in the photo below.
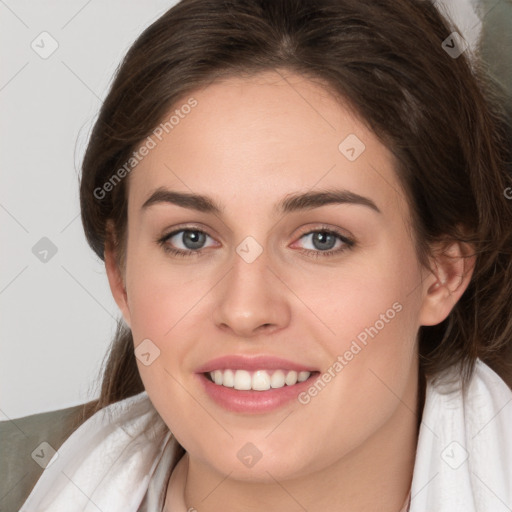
x=326, y=237
x=194, y=239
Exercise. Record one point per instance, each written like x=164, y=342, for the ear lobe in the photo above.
x=115, y=275
x=443, y=288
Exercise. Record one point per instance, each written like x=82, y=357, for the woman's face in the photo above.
x=331, y=288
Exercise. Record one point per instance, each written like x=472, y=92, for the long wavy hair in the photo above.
x=442, y=117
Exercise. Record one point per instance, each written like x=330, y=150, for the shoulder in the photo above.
x=485, y=395
x=27, y=445
x=486, y=377
x=464, y=451
x=489, y=410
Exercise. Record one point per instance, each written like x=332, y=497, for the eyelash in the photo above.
x=349, y=244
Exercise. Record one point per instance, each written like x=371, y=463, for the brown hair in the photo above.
x=439, y=115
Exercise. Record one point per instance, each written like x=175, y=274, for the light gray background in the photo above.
x=58, y=316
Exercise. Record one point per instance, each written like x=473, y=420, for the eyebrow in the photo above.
x=292, y=203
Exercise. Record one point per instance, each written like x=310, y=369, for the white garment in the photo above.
x=463, y=460
x=464, y=454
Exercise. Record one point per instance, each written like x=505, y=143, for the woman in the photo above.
x=301, y=208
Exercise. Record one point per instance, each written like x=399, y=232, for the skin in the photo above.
x=248, y=144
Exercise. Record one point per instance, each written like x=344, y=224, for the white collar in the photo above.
x=119, y=460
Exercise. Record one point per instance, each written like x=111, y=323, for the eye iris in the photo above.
x=196, y=239
x=321, y=238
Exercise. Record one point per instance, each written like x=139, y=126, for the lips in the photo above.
x=253, y=363
x=254, y=384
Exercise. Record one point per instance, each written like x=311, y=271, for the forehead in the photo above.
x=248, y=139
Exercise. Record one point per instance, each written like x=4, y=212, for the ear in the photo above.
x=114, y=273
x=454, y=264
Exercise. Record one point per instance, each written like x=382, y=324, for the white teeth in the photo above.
x=291, y=378
x=277, y=379
x=217, y=377
x=260, y=380
x=303, y=376
x=243, y=380
x=228, y=378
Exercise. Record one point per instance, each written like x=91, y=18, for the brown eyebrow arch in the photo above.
x=291, y=203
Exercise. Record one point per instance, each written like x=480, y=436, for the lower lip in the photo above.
x=253, y=401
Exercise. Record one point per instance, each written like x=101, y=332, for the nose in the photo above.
x=251, y=299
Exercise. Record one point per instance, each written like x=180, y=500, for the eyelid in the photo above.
x=186, y=227
x=325, y=227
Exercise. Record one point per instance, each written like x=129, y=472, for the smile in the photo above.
x=259, y=380
x=254, y=384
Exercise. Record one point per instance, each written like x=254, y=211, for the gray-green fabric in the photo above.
x=19, y=471
x=496, y=43
x=497, y=39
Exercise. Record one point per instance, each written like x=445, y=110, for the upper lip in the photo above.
x=252, y=363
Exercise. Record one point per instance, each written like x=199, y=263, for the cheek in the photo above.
x=162, y=302
x=373, y=311
x=371, y=296
x=371, y=341
x=160, y=294
x=369, y=321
